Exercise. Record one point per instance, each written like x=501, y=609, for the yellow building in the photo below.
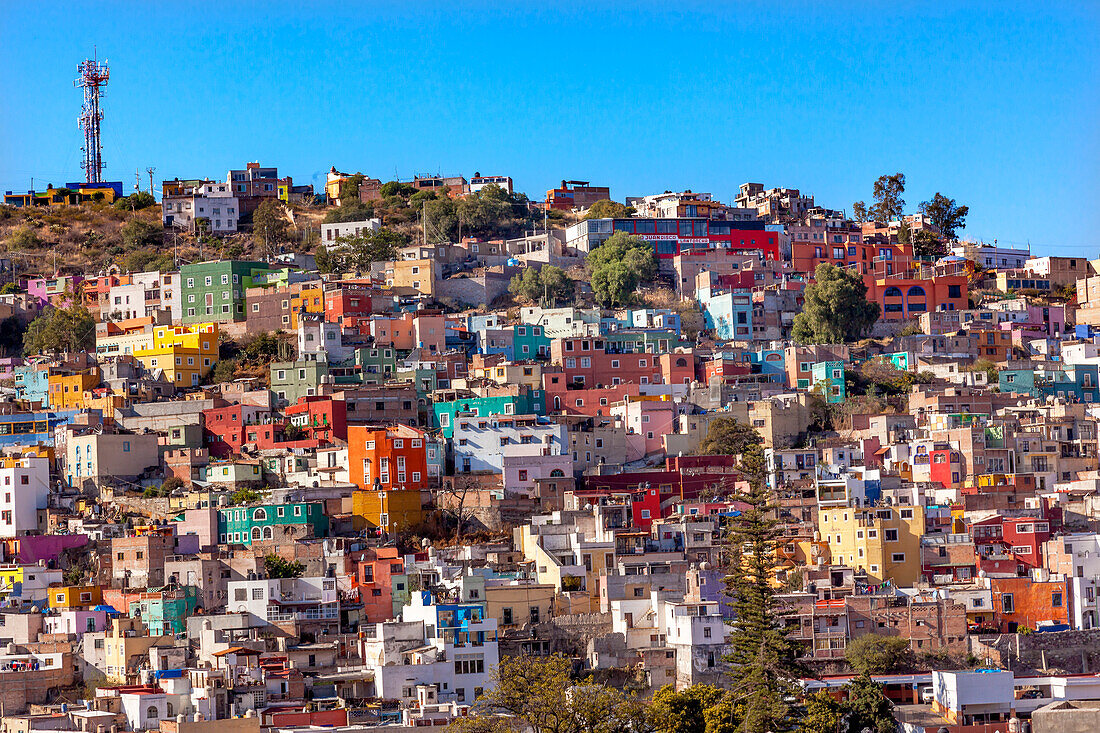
x=14, y=460
x=884, y=540
x=128, y=641
x=310, y=299
x=184, y=353
x=416, y=275
x=67, y=390
x=388, y=510
x=76, y=596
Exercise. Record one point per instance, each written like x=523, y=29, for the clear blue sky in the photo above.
x=996, y=105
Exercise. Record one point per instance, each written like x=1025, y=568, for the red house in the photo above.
x=322, y=418
x=378, y=570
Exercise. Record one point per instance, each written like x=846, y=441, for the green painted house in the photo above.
x=214, y=291
x=245, y=525
x=166, y=610
x=292, y=380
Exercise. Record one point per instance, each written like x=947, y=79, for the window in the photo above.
x=891, y=535
x=1007, y=603
x=1056, y=600
x=897, y=557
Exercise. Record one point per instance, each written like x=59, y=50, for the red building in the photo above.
x=227, y=429
x=348, y=304
x=390, y=457
x=851, y=250
x=592, y=401
x=587, y=362
x=323, y=419
x=946, y=467
x=672, y=237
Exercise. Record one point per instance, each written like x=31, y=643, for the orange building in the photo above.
x=901, y=298
x=393, y=457
x=1019, y=602
x=310, y=298
x=67, y=390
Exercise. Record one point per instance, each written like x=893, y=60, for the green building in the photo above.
x=166, y=610
x=531, y=402
x=376, y=365
x=245, y=525
x=292, y=380
x=214, y=291
x=530, y=342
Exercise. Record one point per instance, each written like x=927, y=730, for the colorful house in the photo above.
x=185, y=354
x=245, y=525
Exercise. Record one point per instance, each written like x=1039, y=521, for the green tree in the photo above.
x=136, y=201
x=824, y=714
x=548, y=285
x=877, y=654
x=263, y=347
x=835, y=308
x=244, y=496
x=859, y=211
x=357, y=252
x=889, y=205
x=22, y=239
x=539, y=694
x=618, y=266
x=349, y=187
x=354, y=210
x=10, y=289
x=868, y=708
x=928, y=245
x=277, y=567
x=687, y=711
x=140, y=234
x=947, y=215
x=269, y=225
x=225, y=370
x=763, y=660
x=608, y=209
x=728, y=437
x=61, y=329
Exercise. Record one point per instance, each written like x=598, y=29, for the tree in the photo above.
x=10, y=289
x=61, y=329
x=835, y=308
x=244, y=496
x=349, y=187
x=538, y=692
x=225, y=370
x=264, y=347
x=618, y=266
x=859, y=211
x=140, y=234
x=688, y=711
x=171, y=484
x=22, y=239
x=277, y=567
x=357, y=252
x=727, y=437
x=547, y=285
x=269, y=225
x=353, y=210
x=877, y=654
x=824, y=714
x=948, y=216
x=608, y=209
x=135, y=201
x=763, y=660
x=868, y=708
x=926, y=244
x=889, y=205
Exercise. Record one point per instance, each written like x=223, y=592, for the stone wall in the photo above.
x=1068, y=651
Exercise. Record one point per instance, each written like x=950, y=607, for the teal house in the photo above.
x=245, y=525
x=530, y=342
x=166, y=610
x=532, y=402
x=827, y=379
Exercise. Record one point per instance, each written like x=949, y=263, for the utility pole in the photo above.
x=137, y=180
x=151, y=170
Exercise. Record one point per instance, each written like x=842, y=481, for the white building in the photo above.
x=479, y=182
x=486, y=443
x=316, y=336
x=451, y=647
x=209, y=205
x=992, y=257
x=286, y=599
x=331, y=232
x=1083, y=552
x=24, y=489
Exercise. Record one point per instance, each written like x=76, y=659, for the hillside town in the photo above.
x=418, y=440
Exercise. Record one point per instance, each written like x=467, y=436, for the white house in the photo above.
x=24, y=489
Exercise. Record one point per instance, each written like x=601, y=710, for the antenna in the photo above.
x=93, y=76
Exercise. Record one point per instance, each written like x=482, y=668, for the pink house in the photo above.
x=57, y=291
x=651, y=418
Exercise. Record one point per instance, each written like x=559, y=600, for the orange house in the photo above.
x=394, y=457
x=1019, y=602
x=67, y=391
x=398, y=332
x=311, y=299
x=901, y=298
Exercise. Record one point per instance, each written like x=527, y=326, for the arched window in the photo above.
x=892, y=292
x=151, y=712
x=773, y=357
x=557, y=402
x=259, y=515
x=916, y=292
x=170, y=709
x=255, y=533
x=268, y=533
x=681, y=362
x=557, y=473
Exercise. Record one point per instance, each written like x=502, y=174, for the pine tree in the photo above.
x=763, y=660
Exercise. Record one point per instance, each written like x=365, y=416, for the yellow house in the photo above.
x=309, y=299
x=883, y=540
x=27, y=451
x=75, y=596
x=127, y=640
x=184, y=353
x=388, y=510
x=67, y=390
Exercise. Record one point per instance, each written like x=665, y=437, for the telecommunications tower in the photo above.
x=93, y=77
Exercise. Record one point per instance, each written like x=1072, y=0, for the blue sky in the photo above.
x=994, y=104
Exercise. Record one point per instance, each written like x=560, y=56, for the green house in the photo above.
x=165, y=610
x=245, y=525
x=532, y=402
x=214, y=291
